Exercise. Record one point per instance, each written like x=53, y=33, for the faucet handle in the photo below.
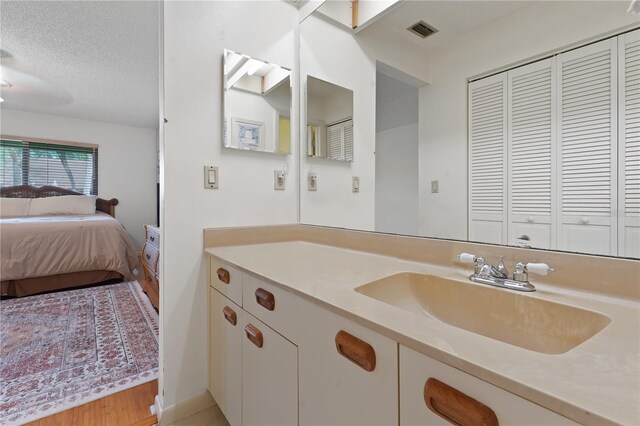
x=467, y=258
x=539, y=268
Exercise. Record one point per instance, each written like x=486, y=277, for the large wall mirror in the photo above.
x=506, y=122
x=257, y=104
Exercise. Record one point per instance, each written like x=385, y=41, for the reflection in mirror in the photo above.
x=257, y=104
x=329, y=120
x=512, y=123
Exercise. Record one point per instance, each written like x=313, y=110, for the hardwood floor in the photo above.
x=127, y=408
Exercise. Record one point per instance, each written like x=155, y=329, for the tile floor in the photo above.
x=212, y=416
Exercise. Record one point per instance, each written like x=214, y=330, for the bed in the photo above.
x=53, y=252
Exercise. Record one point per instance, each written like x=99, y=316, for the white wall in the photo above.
x=127, y=160
x=195, y=35
x=537, y=29
x=396, y=188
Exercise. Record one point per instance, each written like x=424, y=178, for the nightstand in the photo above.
x=150, y=256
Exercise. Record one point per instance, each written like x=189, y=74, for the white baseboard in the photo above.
x=183, y=409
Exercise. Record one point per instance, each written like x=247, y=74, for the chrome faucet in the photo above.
x=498, y=276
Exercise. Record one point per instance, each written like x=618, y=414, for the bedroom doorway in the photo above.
x=79, y=305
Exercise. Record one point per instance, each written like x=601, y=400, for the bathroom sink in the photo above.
x=505, y=315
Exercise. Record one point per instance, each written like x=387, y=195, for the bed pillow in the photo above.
x=65, y=204
x=14, y=207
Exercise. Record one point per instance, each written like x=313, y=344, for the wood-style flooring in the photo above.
x=129, y=407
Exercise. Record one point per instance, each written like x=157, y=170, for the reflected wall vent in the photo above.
x=422, y=29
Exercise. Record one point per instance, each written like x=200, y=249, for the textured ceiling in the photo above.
x=93, y=60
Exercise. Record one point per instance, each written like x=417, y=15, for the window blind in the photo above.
x=39, y=164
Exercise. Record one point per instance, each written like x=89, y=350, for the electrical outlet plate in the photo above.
x=211, y=177
x=279, y=180
x=312, y=182
x=434, y=187
x=355, y=184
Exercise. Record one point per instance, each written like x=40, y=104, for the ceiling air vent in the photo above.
x=422, y=29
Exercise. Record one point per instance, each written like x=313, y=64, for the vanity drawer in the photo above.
x=150, y=256
x=272, y=305
x=226, y=279
x=456, y=393
x=152, y=235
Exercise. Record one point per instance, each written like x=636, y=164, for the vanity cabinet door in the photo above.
x=348, y=373
x=225, y=355
x=458, y=395
x=269, y=376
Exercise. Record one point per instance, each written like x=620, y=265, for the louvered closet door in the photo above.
x=587, y=99
x=629, y=146
x=531, y=136
x=488, y=159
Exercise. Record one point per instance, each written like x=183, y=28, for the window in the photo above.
x=37, y=163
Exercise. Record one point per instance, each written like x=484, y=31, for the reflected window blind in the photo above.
x=340, y=140
x=39, y=164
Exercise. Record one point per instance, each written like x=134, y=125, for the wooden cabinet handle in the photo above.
x=265, y=299
x=230, y=315
x=455, y=406
x=224, y=275
x=254, y=335
x=355, y=350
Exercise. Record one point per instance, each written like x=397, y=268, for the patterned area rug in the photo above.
x=65, y=349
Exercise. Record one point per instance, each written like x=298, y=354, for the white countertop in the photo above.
x=597, y=381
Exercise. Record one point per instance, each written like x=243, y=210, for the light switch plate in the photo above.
x=211, y=177
x=279, y=180
x=434, y=187
x=312, y=182
x=355, y=184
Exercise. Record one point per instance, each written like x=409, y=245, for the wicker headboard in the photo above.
x=28, y=191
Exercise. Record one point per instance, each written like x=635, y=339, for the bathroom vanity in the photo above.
x=312, y=325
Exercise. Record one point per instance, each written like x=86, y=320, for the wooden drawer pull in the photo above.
x=230, y=315
x=455, y=406
x=224, y=275
x=356, y=350
x=254, y=335
x=265, y=299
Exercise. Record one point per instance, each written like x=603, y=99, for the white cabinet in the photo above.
x=587, y=182
x=225, y=361
x=339, y=373
x=269, y=376
x=629, y=149
x=509, y=409
x=337, y=389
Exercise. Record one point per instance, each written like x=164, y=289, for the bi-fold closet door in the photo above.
x=531, y=165
x=569, y=129
x=629, y=146
x=588, y=161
